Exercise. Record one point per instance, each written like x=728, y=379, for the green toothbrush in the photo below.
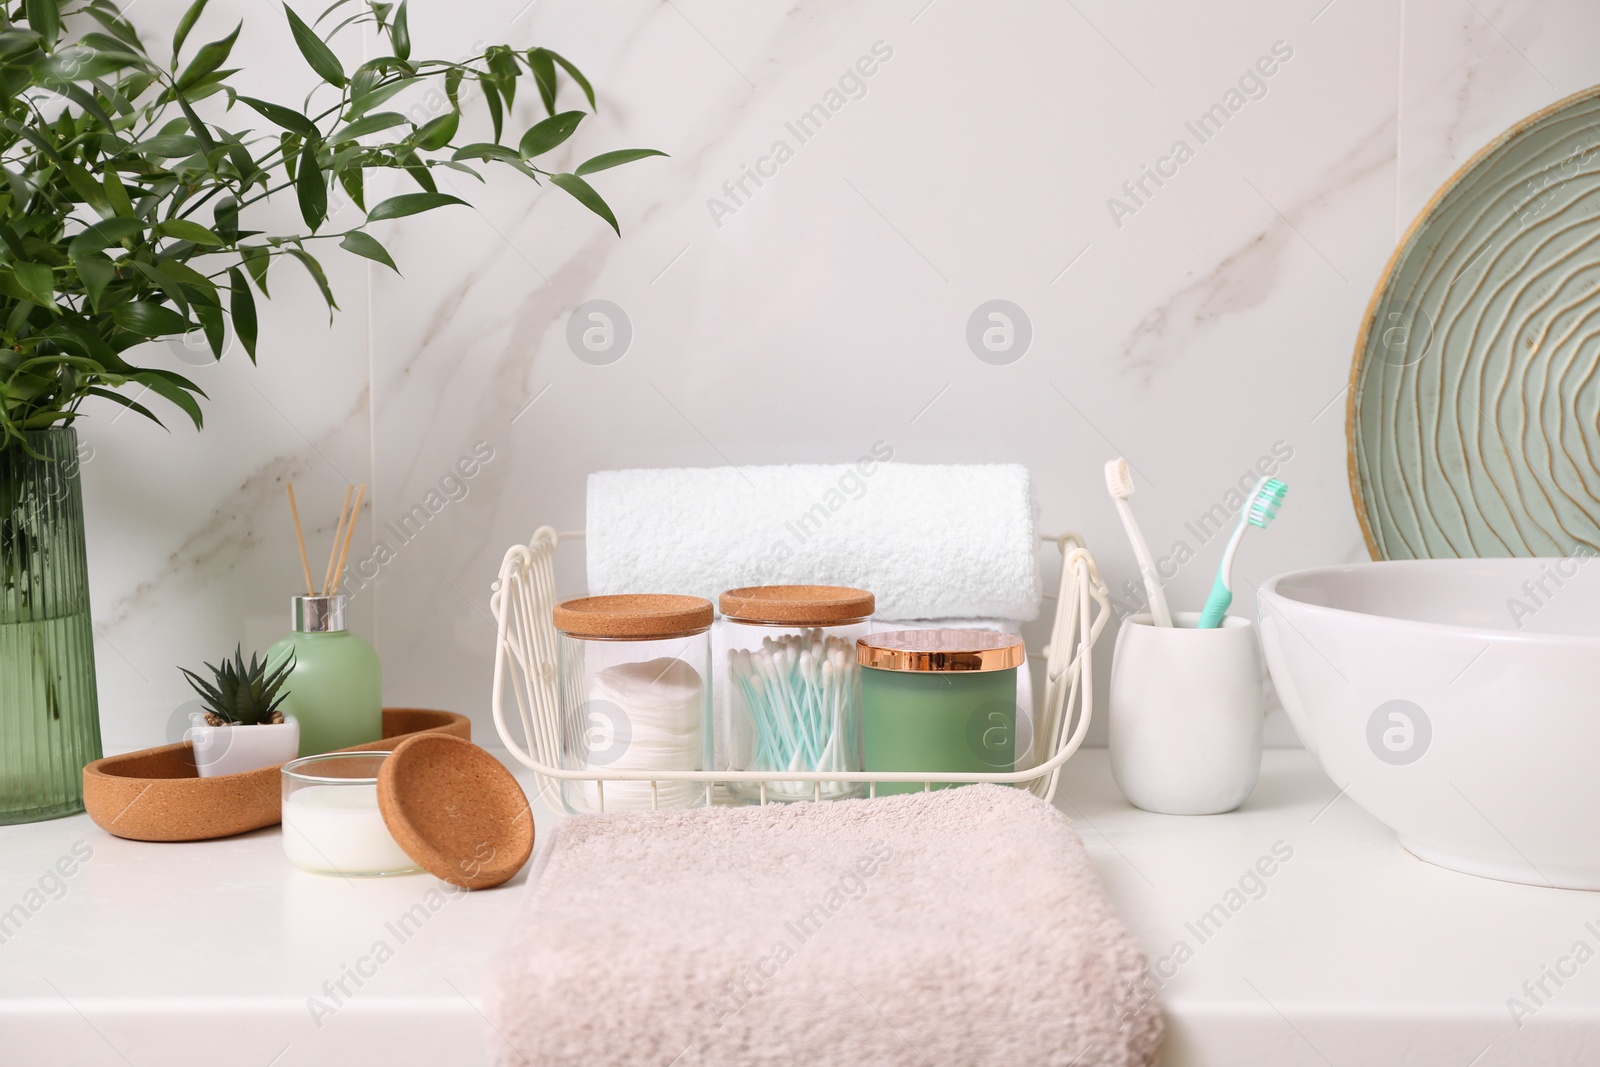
x=1264, y=503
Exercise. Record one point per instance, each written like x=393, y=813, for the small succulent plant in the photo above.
x=242, y=695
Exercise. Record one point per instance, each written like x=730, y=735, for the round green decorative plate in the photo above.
x=1474, y=408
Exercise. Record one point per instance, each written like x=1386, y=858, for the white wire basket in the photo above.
x=525, y=665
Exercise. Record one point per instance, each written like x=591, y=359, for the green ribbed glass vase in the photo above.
x=49, y=714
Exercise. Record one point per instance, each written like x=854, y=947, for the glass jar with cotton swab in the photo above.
x=788, y=699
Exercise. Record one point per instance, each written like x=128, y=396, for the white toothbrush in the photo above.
x=1119, y=483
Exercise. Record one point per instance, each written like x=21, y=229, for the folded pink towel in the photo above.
x=963, y=926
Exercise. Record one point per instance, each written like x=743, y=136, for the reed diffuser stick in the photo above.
x=338, y=535
x=300, y=537
x=355, y=513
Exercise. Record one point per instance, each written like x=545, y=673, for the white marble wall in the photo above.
x=1193, y=331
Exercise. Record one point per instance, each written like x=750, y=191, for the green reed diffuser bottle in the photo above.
x=336, y=687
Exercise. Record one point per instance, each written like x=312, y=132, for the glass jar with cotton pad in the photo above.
x=938, y=700
x=635, y=695
x=787, y=698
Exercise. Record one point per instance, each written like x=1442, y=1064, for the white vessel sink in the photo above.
x=1458, y=701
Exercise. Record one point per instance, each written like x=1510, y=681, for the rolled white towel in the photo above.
x=928, y=541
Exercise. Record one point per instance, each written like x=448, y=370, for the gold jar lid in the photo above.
x=633, y=616
x=941, y=650
x=797, y=605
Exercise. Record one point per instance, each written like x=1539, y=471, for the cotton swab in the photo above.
x=798, y=691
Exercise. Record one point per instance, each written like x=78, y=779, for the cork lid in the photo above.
x=633, y=616
x=454, y=809
x=797, y=605
x=941, y=650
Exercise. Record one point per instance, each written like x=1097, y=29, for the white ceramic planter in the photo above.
x=1185, y=714
x=220, y=750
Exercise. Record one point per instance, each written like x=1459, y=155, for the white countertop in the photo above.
x=1350, y=952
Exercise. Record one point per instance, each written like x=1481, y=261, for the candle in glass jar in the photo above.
x=938, y=700
x=331, y=820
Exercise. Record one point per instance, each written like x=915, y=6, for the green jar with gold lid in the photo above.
x=938, y=701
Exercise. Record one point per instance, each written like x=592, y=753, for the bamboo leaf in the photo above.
x=96, y=272
x=355, y=184
x=243, y=163
x=149, y=319
x=289, y=149
x=44, y=16
x=185, y=230
x=227, y=219
x=200, y=290
x=93, y=56
x=242, y=307
x=486, y=151
x=107, y=15
x=364, y=244
x=211, y=323
x=83, y=60
x=256, y=260
x=330, y=9
x=103, y=234
x=420, y=173
x=397, y=207
x=502, y=63
x=185, y=24
x=117, y=195
x=13, y=241
x=584, y=193
x=491, y=99
x=576, y=75
x=364, y=104
x=310, y=188
x=131, y=405
x=545, y=135
x=168, y=146
x=363, y=81
x=400, y=33
x=209, y=58
x=74, y=334
x=607, y=160
x=369, y=124
x=170, y=376
x=436, y=133
x=316, y=53
x=543, y=66
x=462, y=167
x=315, y=270
x=82, y=183
x=37, y=280
x=161, y=384
x=165, y=282
x=389, y=65
x=78, y=96
x=288, y=118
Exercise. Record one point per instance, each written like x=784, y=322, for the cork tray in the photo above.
x=156, y=794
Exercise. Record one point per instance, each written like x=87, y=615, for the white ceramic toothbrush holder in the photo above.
x=1185, y=714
